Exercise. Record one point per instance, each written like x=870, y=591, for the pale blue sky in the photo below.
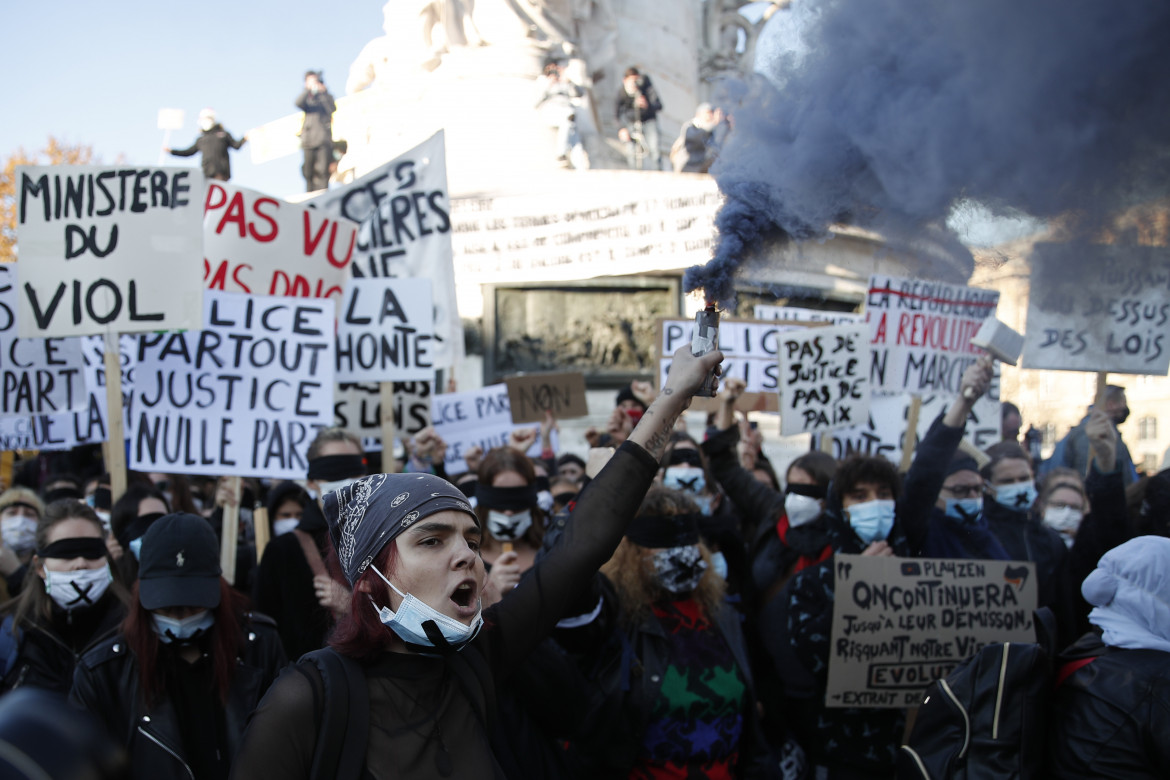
x=97, y=73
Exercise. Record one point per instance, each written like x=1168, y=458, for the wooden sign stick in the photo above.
x=229, y=535
x=116, y=451
x=260, y=527
x=910, y=438
x=386, y=418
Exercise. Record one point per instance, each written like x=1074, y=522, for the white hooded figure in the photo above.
x=1130, y=594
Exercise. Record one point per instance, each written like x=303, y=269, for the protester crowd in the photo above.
x=659, y=609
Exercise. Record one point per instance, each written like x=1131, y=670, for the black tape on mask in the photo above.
x=75, y=547
x=515, y=498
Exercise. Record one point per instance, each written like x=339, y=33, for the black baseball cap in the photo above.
x=179, y=563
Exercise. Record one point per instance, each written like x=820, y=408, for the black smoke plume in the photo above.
x=901, y=108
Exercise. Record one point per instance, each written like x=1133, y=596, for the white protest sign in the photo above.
x=584, y=224
x=824, y=378
x=244, y=396
x=404, y=230
x=1099, y=308
x=750, y=349
x=385, y=332
x=357, y=407
x=797, y=314
x=920, y=332
x=474, y=418
x=257, y=244
x=899, y=624
x=107, y=249
x=38, y=376
x=880, y=433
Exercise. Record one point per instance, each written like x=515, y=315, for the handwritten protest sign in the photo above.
x=921, y=332
x=244, y=396
x=385, y=331
x=532, y=394
x=357, y=407
x=881, y=431
x=824, y=378
x=38, y=376
x=899, y=624
x=108, y=249
x=474, y=418
x=256, y=244
x=798, y=314
x=750, y=349
x=404, y=230
x=1099, y=308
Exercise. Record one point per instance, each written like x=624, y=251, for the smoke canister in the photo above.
x=704, y=340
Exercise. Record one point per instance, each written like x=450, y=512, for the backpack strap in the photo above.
x=1066, y=671
x=345, y=723
x=11, y=639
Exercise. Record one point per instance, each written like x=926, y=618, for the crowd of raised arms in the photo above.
x=659, y=605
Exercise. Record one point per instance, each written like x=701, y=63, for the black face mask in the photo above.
x=1121, y=415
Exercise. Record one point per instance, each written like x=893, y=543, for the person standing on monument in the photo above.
x=637, y=115
x=317, y=131
x=212, y=144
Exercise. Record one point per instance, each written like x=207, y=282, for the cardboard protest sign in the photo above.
x=921, y=332
x=385, y=331
x=404, y=230
x=531, y=395
x=108, y=249
x=824, y=378
x=245, y=396
x=257, y=244
x=797, y=314
x=357, y=407
x=474, y=418
x=38, y=376
x=881, y=431
x=1099, y=308
x=899, y=624
x=751, y=353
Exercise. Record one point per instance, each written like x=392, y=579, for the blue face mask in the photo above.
x=182, y=630
x=408, y=621
x=965, y=510
x=872, y=520
x=719, y=564
x=1018, y=496
x=136, y=547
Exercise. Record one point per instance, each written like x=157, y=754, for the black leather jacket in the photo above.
x=1111, y=717
x=106, y=683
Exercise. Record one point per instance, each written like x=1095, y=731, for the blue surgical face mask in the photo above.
x=136, y=547
x=182, y=630
x=688, y=479
x=1018, y=496
x=285, y=525
x=965, y=510
x=719, y=564
x=408, y=621
x=872, y=520
x=704, y=504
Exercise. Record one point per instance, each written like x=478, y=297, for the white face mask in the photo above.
x=329, y=487
x=508, y=527
x=206, y=123
x=800, y=509
x=19, y=533
x=285, y=525
x=408, y=621
x=1063, y=519
x=79, y=588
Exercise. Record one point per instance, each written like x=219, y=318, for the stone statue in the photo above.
x=455, y=17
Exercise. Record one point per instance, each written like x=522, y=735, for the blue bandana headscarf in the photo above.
x=367, y=514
